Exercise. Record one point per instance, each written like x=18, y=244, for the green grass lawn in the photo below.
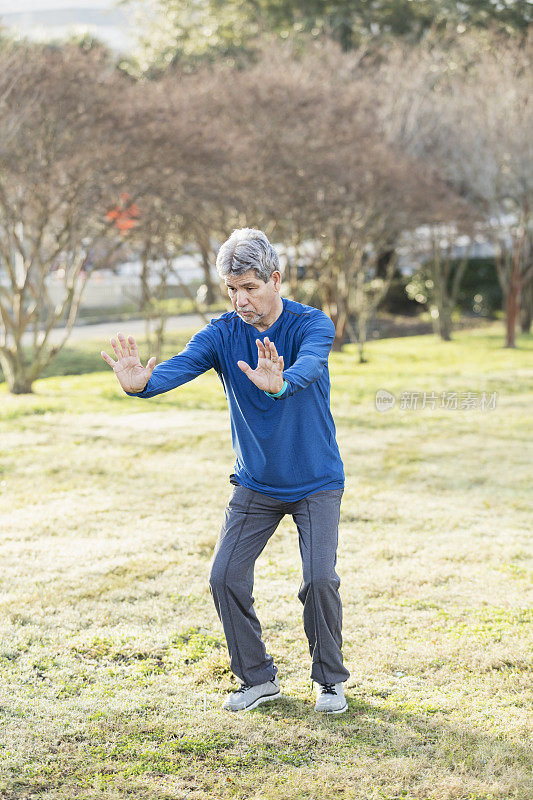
x=113, y=662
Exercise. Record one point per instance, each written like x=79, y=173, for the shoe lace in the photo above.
x=243, y=688
x=328, y=688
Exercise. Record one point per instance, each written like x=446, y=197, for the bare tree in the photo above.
x=320, y=171
x=58, y=122
x=179, y=181
x=501, y=148
x=526, y=308
x=437, y=282
x=466, y=109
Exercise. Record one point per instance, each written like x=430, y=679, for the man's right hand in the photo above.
x=130, y=373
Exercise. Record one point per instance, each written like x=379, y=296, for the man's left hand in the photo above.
x=268, y=375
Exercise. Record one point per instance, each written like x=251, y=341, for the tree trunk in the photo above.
x=440, y=317
x=445, y=323
x=361, y=328
x=22, y=387
x=526, y=311
x=18, y=382
x=383, y=262
x=511, y=313
x=210, y=297
x=512, y=301
x=434, y=319
x=159, y=335
x=339, y=319
x=338, y=341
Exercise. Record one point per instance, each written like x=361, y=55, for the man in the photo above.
x=288, y=461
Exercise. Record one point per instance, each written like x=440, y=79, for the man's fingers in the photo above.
x=272, y=347
x=116, y=348
x=151, y=364
x=268, y=348
x=133, y=346
x=124, y=344
x=107, y=358
x=244, y=366
x=272, y=353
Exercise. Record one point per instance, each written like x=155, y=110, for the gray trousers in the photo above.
x=250, y=520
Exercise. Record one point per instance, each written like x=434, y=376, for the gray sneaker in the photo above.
x=330, y=698
x=248, y=697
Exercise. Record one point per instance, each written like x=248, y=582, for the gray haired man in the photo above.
x=288, y=460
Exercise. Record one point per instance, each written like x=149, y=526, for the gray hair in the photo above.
x=247, y=248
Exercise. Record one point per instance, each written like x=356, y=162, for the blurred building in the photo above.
x=106, y=288
x=42, y=20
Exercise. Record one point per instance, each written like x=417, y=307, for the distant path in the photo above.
x=387, y=325
x=105, y=330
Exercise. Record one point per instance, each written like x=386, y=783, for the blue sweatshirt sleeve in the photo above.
x=312, y=359
x=197, y=357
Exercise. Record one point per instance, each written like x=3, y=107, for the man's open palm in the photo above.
x=268, y=375
x=130, y=373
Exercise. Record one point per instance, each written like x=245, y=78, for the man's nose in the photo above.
x=241, y=298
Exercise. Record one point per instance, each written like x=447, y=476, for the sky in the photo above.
x=20, y=6
x=46, y=19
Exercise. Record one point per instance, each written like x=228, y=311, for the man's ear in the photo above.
x=276, y=277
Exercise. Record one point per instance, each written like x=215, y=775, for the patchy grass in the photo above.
x=113, y=663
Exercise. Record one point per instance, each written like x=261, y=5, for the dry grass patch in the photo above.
x=113, y=662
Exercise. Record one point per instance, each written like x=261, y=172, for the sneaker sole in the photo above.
x=262, y=699
x=337, y=711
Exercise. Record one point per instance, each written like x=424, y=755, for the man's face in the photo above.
x=251, y=297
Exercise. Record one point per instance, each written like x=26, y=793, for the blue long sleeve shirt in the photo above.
x=285, y=446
